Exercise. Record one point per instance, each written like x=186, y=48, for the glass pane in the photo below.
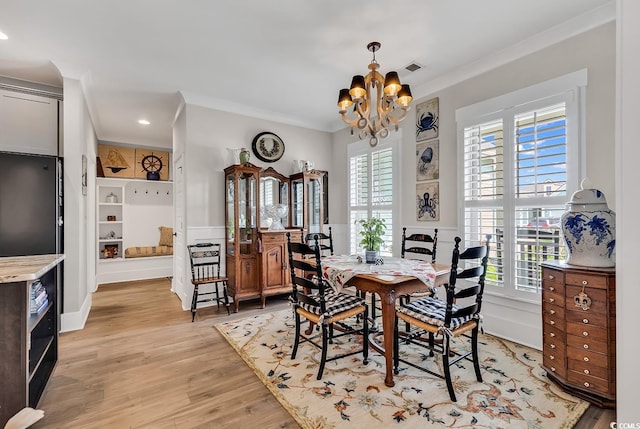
x=478, y=223
x=313, y=205
x=231, y=227
x=297, y=193
x=484, y=162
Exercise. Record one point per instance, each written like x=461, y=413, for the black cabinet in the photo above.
x=29, y=341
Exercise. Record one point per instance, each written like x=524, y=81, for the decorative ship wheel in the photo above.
x=152, y=164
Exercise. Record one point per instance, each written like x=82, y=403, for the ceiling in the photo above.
x=282, y=60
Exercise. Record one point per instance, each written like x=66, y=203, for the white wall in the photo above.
x=627, y=207
x=79, y=210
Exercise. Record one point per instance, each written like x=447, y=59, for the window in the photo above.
x=372, y=186
x=520, y=154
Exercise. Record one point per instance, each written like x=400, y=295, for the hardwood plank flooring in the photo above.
x=140, y=363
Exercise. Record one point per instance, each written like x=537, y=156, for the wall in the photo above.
x=593, y=50
x=626, y=172
x=79, y=231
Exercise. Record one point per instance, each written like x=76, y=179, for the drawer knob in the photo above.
x=553, y=369
x=585, y=321
x=552, y=300
x=552, y=322
x=553, y=346
x=551, y=277
x=585, y=334
x=552, y=334
x=586, y=359
x=586, y=346
x=586, y=384
x=552, y=288
x=552, y=312
x=586, y=371
x=584, y=282
x=552, y=357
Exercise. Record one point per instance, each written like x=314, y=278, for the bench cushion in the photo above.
x=141, y=252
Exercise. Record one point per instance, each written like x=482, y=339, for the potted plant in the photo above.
x=372, y=231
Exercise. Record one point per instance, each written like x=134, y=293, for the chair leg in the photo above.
x=194, y=303
x=431, y=342
x=297, y=340
x=365, y=339
x=447, y=368
x=325, y=346
x=396, y=347
x=226, y=297
x=373, y=307
x=474, y=353
x=217, y=285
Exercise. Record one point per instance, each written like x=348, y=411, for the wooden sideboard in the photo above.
x=579, y=330
x=29, y=341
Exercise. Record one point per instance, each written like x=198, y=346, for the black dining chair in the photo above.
x=449, y=317
x=205, y=270
x=325, y=241
x=314, y=300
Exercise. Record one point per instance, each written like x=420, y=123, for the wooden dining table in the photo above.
x=389, y=287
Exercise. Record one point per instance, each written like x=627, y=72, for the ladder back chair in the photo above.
x=205, y=270
x=326, y=241
x=313, y=299
x=448, y=317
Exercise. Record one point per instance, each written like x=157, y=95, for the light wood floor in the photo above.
x=141, y=363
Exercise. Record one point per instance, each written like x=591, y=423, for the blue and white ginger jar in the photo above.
x=589, y=229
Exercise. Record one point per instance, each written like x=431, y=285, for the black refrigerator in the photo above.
x=30, y=204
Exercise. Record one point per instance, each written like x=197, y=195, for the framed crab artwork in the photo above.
x=427, y=119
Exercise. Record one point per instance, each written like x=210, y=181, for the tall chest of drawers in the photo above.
x=579, y=330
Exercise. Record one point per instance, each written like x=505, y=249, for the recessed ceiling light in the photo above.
x=143, y=122
x=3, y=36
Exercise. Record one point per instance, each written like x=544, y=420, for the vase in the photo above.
x=244, y=156
x=370, y=256
x=588, y=228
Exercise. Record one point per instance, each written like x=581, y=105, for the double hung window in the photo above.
x=372, y=186
x=519, y=161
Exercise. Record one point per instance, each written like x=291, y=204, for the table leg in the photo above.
x=388, y=319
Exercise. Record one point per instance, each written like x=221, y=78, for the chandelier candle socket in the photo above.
x=389, y=105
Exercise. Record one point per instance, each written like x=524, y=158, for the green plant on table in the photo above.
x=372, y=231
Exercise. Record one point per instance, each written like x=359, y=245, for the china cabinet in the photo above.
x=579, y=331
x=307, y=200
x=242, y=218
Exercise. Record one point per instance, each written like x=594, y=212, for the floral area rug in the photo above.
x=515, y=392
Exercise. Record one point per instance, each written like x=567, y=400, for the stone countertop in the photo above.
x=23, y=268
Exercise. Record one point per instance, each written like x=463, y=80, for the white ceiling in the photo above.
x=283, y=60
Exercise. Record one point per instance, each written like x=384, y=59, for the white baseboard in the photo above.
x=76, y=320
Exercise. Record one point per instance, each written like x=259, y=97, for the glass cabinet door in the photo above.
x=314, y=205
x=247, y=212
x=230, y=207
x=307, y=201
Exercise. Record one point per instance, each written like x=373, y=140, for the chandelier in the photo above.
x=375, y=115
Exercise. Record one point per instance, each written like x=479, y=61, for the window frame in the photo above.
x=363, y=147
x=569, y=89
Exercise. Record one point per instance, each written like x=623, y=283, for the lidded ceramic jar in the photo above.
x=589, y=229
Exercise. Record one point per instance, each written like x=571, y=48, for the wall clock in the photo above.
x=268, y=147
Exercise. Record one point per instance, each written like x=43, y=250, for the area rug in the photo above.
x=515, y=393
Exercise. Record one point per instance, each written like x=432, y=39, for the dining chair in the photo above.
x=414, y=246
x=449, y=317
x=205, y=269
x=326, y=241
x=314, y=300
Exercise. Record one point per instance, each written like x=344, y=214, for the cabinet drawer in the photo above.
x=551, y=277
x=553, y=322
x=598, y=300
x=554, y=367
x=587, y=332
x=587, y=344
x=552, y=333
x=586, y=318
x=598, y=282
x=588, y=368
x=553, y=298
x=273, y=238
x=588, y=382
x=552, y=311
x=596, y=359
